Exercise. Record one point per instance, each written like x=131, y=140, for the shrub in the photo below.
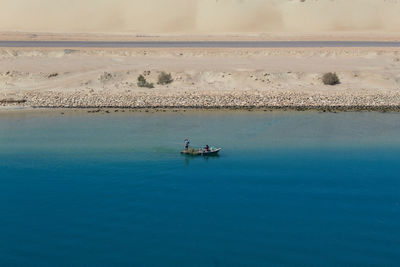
x=105, y=77
x=52, y=75
x=142, y=82
x=330, y=78
x=164, y=78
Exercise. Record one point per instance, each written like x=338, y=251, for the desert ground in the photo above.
x=159, y=36
x=202, y=77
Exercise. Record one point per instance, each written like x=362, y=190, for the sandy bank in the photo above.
x=209, y=78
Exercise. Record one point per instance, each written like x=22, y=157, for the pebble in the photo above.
x=238, y=100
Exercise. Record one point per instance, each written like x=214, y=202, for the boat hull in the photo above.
x=213, y=152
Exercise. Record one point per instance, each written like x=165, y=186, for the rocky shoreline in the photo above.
x=300, y=101
x=203, y=78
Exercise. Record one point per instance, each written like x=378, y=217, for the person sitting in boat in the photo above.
x=207, y=148
x=187, y=144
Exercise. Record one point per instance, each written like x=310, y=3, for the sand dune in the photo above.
x=200, y=16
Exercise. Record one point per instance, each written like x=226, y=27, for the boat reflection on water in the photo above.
x=188, y=158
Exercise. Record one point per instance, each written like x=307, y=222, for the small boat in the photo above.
x=201, y=152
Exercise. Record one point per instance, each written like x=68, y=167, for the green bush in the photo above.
x=330, y=78
x=142, y=82
x=164, y=78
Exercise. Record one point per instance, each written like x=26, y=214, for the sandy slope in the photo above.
x=200, y=16
x=266, y=36
x=27, y=73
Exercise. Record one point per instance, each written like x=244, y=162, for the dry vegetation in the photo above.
x=164, y=78
x=330, y=78
x=142, y=82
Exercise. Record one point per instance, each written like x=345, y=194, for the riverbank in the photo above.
x=7, y=111
x=203, y=78
x=242, y=100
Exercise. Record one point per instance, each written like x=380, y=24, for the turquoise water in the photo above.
x=289, y=189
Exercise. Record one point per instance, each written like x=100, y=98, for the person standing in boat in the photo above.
x=187, y=144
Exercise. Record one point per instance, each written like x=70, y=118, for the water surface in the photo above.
x=289, y=189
